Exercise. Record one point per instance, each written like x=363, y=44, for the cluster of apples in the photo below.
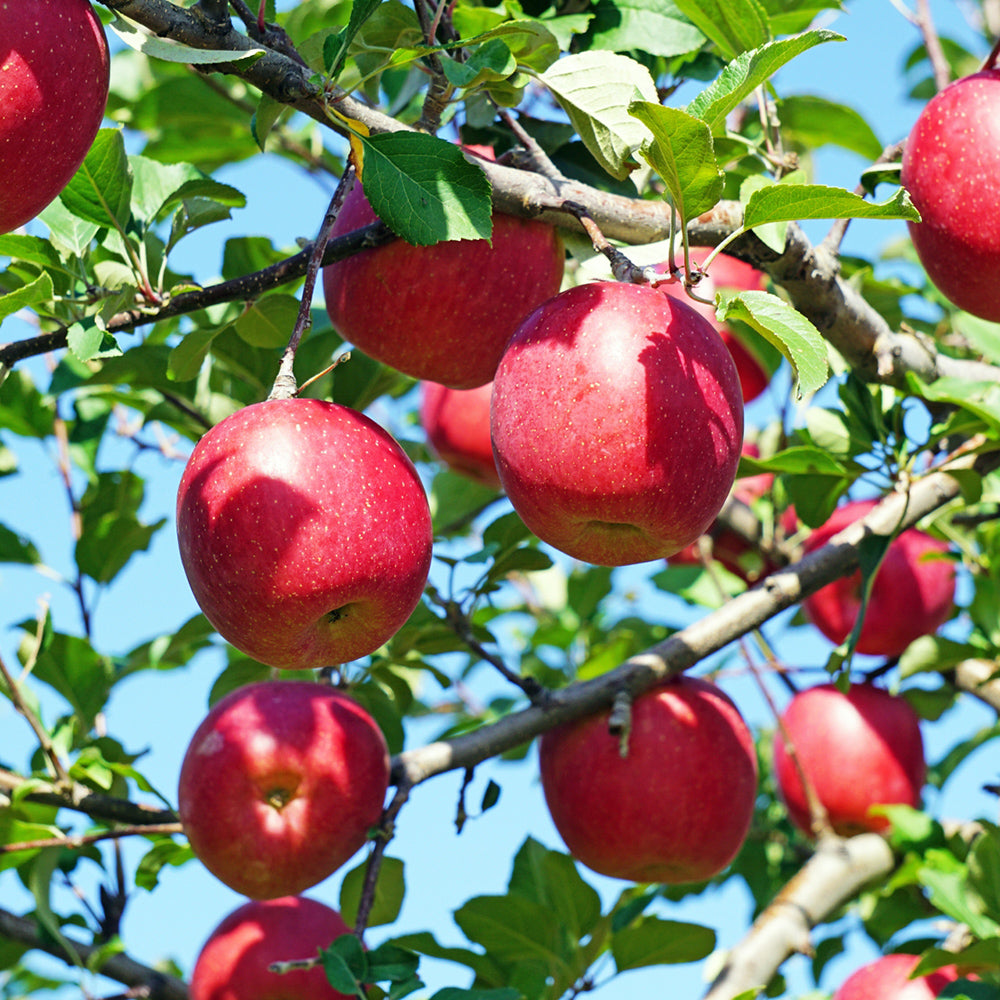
x=54, y=75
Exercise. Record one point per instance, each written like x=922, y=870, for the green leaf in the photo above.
x=16, y=548
x=170, y=51
x=485, y=968
x=816, y=121
x=594, y=89
x=683, y=154
x=391, y=963
x=945, y=878
x=361, y=10
x=157, y=186
x=748, y=71
x=785, y=203
x=99, y=192
x=345, y=965
x=983, y=335
x=389, y=892
x=455, y=499
x=87, y=341
x=652, y=941
x=980, y=398
x=69, y=231
x=425, y=190
x=33, y=293
x=788, y=330
x=734, y=25
x=39, y=882
x=32, y=249
x=984, y=869
x=268, y=322
x=653, y=26
x=512, y=929
x=187, y=357
x=490, y=61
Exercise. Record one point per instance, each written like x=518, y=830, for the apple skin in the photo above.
x=233, y=963
x=888, y=978
x=859, y=749
x=280, y=785
x=675, y=809
x=728, y=272
x=304, y=532
x=912, y=595
x=443, y=313
x=54, y=72
x=457, y=425
x=617, y=423
x=951, y=168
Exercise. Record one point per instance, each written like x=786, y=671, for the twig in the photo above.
x=621, y=267
x=82, y=840
x=386, y=831
x=939, y=64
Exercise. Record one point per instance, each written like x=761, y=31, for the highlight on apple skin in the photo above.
x=54, y=76
x=617, y=423
x=234, y=962
x=676, y=807
x=280, y=785
x=912, y=594
x=858, y=749
x=951, y=168
x=304, y=531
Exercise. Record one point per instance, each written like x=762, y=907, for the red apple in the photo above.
x=888, y=978
x=457, y=425
x=234, y=962
x=617, y=423
x=54, y=70
x=676, y=807
x=728, y=272
x=858, y=749
x=951, y=168
x=444, y=312
x=280, y=785
x=912, y=594
x=304, y=532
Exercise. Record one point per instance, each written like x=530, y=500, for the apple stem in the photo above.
x=620, y=720
x=991, y=59
x=285, y=386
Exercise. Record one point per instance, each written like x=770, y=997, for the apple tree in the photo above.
x=618, y=143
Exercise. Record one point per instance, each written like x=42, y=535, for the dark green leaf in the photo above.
x=16, y=548
x=100, y=190
x=389, y=892
x=652, y=941
x=816, y=121
x=653, y=26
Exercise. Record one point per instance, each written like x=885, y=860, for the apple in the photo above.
x=54, y=73
x=304, y=532
x=445, y=312
x=617, y=423
x=676, y=806
x=280, y=785
x=234, y=962
x=888, y=978
x=912, y=594
x=457, y=425
x=951, y=168
x=728, y=272
x=858, y=750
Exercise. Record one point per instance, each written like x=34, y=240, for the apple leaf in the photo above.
x=734, y=25
x=170, y=51
x=389, y=892
x=653, y=26
x=788, y=330
x=984, y=868
x=652, y=941
x=345, y=965
x=799, y=460
x=748, y=71
x=425, y=190
x=980, y=398
x=512, y=928
x=455, y=499
x=15, y=548
x=815, y=121
x=594, y=89
x=425, y=943
x=268, y=321
x=100, y=190
x=682, y=152
x=33, y=293
x=490, y=61
x=785, y=203
x=157, y=186
x=33, y=249
x=335, y=46
x=87, y=340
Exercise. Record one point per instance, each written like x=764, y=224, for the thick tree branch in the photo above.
x=120, y=968
x=832, y=876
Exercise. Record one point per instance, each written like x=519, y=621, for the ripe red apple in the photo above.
x=728, y=272
x=280, y=785
x=912, y=594
x=858, y=749
x=54, y=70
x=617, y=423
x=888, y=978
x=457, y=425
x=233, y=963
x=444, y=312
x=304, y=532
x=951, y=168
x=676, y=808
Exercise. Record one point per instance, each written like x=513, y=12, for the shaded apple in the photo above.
x=676, y=807
x=911, y=596
x=617, y=423
x=54, y=70
x=445, y=312
x=304, y=532
x=888, y=978
x=858, y=749
x=951, y=168
x=457, y=425
x=234, y=962
x=280, y=785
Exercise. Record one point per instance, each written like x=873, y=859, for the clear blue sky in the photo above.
x=161, y=711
